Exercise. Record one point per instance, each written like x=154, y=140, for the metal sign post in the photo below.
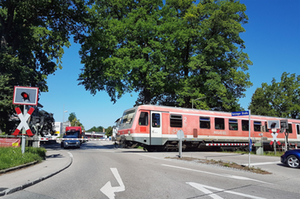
x=24, y=96
x=23, y=133
x=180, y=135
x=250, y=141
x=241, y=113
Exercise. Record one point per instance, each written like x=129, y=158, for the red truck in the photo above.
x=72, y=132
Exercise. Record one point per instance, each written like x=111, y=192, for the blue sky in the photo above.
x=272, y=40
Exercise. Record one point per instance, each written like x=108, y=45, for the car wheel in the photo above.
x=293, y=161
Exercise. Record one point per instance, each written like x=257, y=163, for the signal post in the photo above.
x=24, y=96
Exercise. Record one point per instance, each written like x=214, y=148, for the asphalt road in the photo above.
x=101, y=171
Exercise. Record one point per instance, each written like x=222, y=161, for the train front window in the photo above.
x=204, y=123
x=219, y=123
x=143, y=120
x=127, y=119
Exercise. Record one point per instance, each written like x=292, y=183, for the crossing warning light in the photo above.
x=26, y=95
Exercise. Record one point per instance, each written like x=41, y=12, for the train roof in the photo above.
x=189, y=110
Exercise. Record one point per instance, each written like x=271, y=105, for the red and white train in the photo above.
x=155, y=128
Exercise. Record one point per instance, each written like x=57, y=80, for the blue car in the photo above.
x=291, y=158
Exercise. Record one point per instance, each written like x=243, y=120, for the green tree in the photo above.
x=280, y=99
x=169, y=53
x=125, y=49
x=92, y=129
x=109, y=131
x=96, y=129
x=74, y=121
x=6, y=105
x=71, y=117
x=209, y=54
x=33, y=34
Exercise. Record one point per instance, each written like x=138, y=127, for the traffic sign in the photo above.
x=240, y=113
x=25, y=95
x=284, y=124
x=274, y=134
x=23, y=123
x=180, y=134
x=273, y=124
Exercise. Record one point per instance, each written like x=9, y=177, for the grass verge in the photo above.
x=267, y=153
x=223, y=164
x=11, y=157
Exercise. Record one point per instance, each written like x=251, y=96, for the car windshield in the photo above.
x=72, y=133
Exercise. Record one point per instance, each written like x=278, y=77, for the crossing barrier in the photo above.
x=227, y=144
x=48, y=139
x=60, y=139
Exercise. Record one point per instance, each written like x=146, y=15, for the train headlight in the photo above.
x=128, y=132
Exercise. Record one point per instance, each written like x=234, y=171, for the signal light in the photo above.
x=25, y=96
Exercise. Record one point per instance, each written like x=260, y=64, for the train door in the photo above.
x=298, y=131
x=155, y=128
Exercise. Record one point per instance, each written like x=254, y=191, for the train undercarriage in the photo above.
x=206, y=146
x=186, y=146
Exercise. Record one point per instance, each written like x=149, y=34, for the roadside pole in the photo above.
x=24, y=96
x=250, y=141
x=274, y=146
x=180, y=148
x=243, y=113
x=23, y=132
x=180, y=135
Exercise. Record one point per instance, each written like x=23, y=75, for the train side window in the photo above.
x=155, y=120
x=219, y=123
x=266, y=126
x=298, y=129
x=290, y=129
x=143, y=120
x=245, y=125
x=204, y=123
x=175, y=120
x=233, y=125
x=257, y=125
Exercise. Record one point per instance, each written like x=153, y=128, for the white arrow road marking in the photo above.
x=204, y=189
x=108, y=190
x=222, y=175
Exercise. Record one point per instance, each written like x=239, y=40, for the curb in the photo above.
x=18, y=188
x=18, y=167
